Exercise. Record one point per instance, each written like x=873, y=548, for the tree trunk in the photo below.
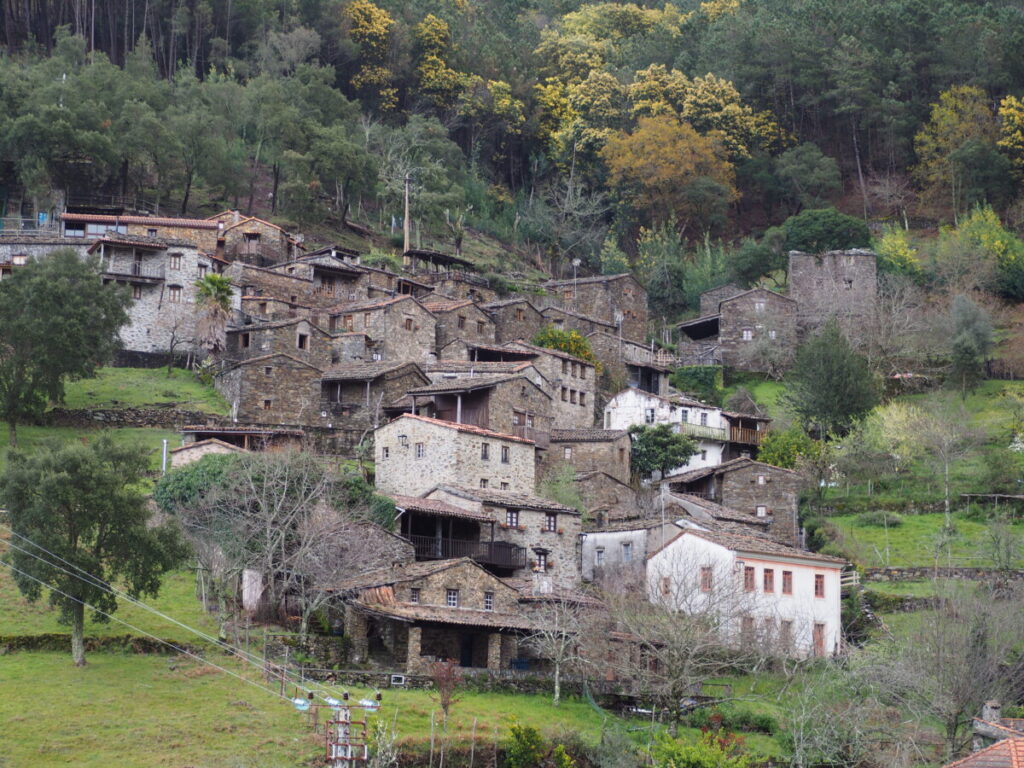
x=558, y=684
x=78, y=634
x=12, y=433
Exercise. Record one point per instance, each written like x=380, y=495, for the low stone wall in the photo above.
x=925, y=573
x=168, y=417
x=56, y=641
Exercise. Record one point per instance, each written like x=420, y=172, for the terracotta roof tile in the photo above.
x=437, y=507
x=1008, y=753
x=462, y=384
x=468, y=428
x=153, y=221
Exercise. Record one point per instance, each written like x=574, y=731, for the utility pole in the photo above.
x=405, y=225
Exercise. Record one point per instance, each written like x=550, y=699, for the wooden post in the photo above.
x=405, y=224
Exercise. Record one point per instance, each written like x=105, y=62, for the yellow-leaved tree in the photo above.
x=369, y=26
x=1011, y=132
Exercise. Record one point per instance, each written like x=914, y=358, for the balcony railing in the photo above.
x=497, y=553
x=136, y=269
x=746, y=436
x=700, y=430
x=541, y=439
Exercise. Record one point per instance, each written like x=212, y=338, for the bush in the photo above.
x=573, y=342
x=524, y=747
x=878, y=518
x=500, y=284
x=825, y=229
x=185, y=485
x=703, y=381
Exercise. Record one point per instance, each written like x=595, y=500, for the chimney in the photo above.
x=991, y=711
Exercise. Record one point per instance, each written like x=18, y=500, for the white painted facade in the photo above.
x=696, y=574
x=705, y=423
x=614, y=549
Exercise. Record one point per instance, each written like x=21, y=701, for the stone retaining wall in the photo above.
x=924, y=573
x=168, y=417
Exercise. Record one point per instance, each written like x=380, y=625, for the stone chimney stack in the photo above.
x=991, y=711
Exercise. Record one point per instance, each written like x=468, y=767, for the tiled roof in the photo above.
x=718, y=512
x=589, y=318
x=1008, y=726
x=728, y=466
x=437, y=507
x=641, y=524
x=505, y=303
x=466, y=366
x=1008, y=753
x=589, y=280
x=446, y=305
x=152, y=221
x=527, y=589
x=505, y=349
x=756, y=545
x=468, y=428
x=508, y=499
x=586, y=435
x=362, y=371
x=461, y=385
x=145, y=241
x=678, y=400
x=209, y=441
x=469, y=617
x=260, y=325
x=756, y=290
x=751, y=416
x=520, y=343
x=398, y=573
x=264, y=358
x=699, y=320
x=361, y=306
x=236, y=429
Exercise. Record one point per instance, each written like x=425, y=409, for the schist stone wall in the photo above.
x=260, y=281
x=840, y=284
x=298, y=338
x=709, y=300
x=613, y=298
x=515, y=319
x=586, y=450
x=466, y=322
x=401, y=329
x=572, y=384
x=750, y=322
x=778, y=490
x=276, y=389
x=415, y=454
x=573, y=321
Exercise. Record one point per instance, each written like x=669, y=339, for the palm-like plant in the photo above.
x=213, y=299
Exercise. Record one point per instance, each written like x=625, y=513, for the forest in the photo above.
x=668, y=138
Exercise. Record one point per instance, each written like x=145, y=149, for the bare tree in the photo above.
x=1002, y=545
x=907, y=331
x=945, y=436
x=949, y=662
x=447, y=677
x=557, y=637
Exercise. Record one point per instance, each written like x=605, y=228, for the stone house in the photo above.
x=247, y=437
x=566, y=320
x=992, y=728
x=203, y=233
x=514, y=319
x=412, y=615
x=511, y=405
x=627, y=363
x=615, y=553
x=354, y=395
x=160, y=274
x=607, y=498
x=332, y=279
x=591, y=450
x=839, y=284
x=459, y=319
x=258, y=284
x=400, y=328
x=18, y=247
x=272, y=389
x=710, y=299
x=413, y=454
x=383, y=283
x=617, y=299
x=268, y=308
x=547, y=530
x=447, y=370
x=752, y=331
x=253, y=240
x=760, y=591
x=186, y=454
x=748, y=486
x=708, y=514
x=298, y=338
x=572, y=381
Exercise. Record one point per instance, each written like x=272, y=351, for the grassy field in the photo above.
x=149, y=440
x=132, y=387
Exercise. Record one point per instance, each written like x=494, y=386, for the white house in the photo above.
x=619, y=548
x=761, y=590
x=705, y=423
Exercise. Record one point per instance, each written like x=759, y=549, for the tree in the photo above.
x=658, y=449
x=785, y=448
x=213, y=300
x=945, y=436
x=556, y=639
x=818, y=230
x=830, y=385
x=971, y=344
x=810, y=175
x=60, y=322
x=658, y=164
x=83, y=503
x=571, y=342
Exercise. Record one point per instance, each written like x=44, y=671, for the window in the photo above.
x=244, y=340
x=452, y=598
x=703, y=455
x=462, y=322
x=607, y=421
x=762, y=510
x=263, y=309
x=572, y=396
x=583, y=371
x=347, y=322
x=483, y=482
x=567, y=452
x=747, y=628
x=136, y=291
x=747, y=334
x=599, y=556
x=819, y=585
x=565, y=366
x=480, y=327
x=622, y=455
x=703, y=419
x=574, y=370
x=748, y=578
x=175, y=261
x=762, y=480
x=268, y=370
x=627, y=552
x=551, y=522
x=408, y=323
x=542, y=561
x=414, y=595
x=583, y=398
x=769, y=579
x=759, y=306
x=512, y=518
x=488, y=601
x=485, y=451
x=366, y=319
x=666, y=585
x=565, y=394
x=706, y=578
x=684, y=416
x=202, y=270
x=267, y=404
x=504, y=454
x=520, y=314
x=787, y=582
x=504, y=486
x=303, y=341
x=385, y=452
x=174, y=294
x=771, y=334
x=648, y=415
x=421, y=450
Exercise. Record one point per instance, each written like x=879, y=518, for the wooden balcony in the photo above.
x=135, y=272
x=498, y=553
x=541, y=439
x=747, y=436
x=703, y=431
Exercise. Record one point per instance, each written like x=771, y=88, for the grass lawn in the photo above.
x=913, y=542
x=148, y=440
x=903, y=588
x=132, y=387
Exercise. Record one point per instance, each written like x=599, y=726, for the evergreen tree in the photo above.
x=972, y=342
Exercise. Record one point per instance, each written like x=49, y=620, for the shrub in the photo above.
x=878, y=518
x=524, y=747
x=183, y=486
x=704, y=381
x=572, y=342
x=825, y=229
